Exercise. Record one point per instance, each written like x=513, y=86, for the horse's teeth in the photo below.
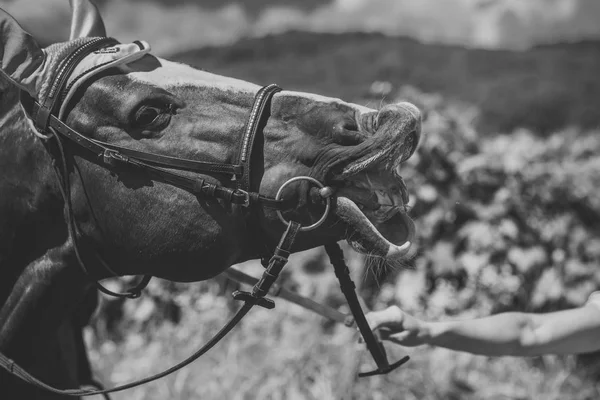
x=384, y=198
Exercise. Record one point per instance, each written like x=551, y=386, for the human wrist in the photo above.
x=426, y=332
x=434, y=333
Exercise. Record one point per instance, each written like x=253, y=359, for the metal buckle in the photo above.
x=246, y=202
x=324, y=193
x=110, y=156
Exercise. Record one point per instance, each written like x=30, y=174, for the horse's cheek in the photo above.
x=144, y=223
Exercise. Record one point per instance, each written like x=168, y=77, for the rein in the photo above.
x=160, y=167
x=250, y=299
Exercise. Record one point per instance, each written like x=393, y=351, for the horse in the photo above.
x=70, y=218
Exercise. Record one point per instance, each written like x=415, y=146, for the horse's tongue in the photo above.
x=366, y=235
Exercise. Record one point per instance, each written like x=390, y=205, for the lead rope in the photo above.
x=250, y=299
x=374, y=345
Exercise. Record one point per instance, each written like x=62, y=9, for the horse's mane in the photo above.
x=12, y=115
x=9, y=95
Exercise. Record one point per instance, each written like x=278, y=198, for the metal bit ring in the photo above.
x=327, y=202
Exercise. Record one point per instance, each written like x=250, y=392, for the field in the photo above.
x=508, y=218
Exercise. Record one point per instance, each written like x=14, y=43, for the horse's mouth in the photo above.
x=373, y=203
x=373, y=198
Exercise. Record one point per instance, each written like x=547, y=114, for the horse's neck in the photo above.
x=27, y=179
x=9, y=104
x=13, y=122
x=16, y=130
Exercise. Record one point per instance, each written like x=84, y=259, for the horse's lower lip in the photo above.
x=393, y=242
x=384, y=214
x=378, y=203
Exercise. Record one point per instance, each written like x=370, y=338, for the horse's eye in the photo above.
x=152, y=117
x=146, y=116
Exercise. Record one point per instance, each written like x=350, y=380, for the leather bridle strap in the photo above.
x=197, y=186
x=44, y=115
x=256, y=297
x=160, y=168
x=258, y=117
x=156, y=164
x=278, y=290
x=41, y=113
x=110, y=152
x=375, y=347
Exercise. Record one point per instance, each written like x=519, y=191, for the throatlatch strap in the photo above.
x=131, y=293
x=65, y=190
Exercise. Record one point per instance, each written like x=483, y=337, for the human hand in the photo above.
x=399, y=327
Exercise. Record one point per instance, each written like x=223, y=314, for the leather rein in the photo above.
x=160, y=168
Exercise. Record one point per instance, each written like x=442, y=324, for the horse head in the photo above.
x=124, y=96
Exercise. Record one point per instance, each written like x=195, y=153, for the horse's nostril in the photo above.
x=404, y=113
x=349, y=125
x=412, y=109
x=347, y=133
x=410, y=145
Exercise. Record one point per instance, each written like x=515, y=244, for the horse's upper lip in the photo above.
x=362, y=164
x=386, y=158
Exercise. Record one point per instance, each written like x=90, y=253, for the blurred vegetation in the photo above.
x=505, y=222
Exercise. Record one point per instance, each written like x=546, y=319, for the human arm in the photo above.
x=563, y=332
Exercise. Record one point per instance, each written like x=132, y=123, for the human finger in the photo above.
x=389, y=316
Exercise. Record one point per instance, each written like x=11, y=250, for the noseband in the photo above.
x=161, y=168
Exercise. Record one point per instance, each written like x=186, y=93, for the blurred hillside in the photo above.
x=544, y=89
x=176, y=25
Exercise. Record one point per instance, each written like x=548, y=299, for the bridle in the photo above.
x=162, y=168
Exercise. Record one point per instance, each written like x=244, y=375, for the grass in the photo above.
x=290, y=353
